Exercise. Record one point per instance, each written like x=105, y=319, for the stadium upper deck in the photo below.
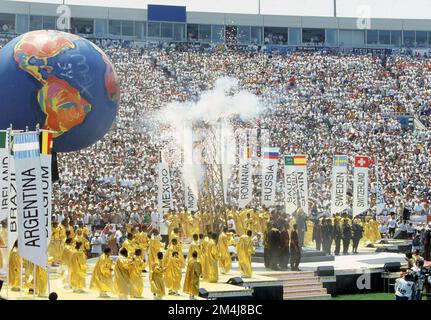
x=331, y=23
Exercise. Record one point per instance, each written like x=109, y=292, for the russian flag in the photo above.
x=271, y=153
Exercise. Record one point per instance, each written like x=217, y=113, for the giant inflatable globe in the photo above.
x=60, y=81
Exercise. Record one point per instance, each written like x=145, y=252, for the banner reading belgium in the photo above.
x=31, y=218
x=46, y=144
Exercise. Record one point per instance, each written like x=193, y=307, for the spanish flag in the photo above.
x=46, y=142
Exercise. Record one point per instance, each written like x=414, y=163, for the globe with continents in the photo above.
x=62, y=83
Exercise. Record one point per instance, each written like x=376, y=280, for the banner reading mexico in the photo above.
x=270, y=156
x=46, y=143
x=339, y=184
x=245, y=183
x=164, y=195
x=31, y=217
x=360, y=185
x=4, y=174
x=295, y=183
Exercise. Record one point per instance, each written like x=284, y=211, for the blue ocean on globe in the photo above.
x=60, y=81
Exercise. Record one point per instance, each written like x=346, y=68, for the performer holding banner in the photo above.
x=339, y=184
x=31, y=219
x=296, y=183
x=245, y=182
x=270, y=156
x=360, y=185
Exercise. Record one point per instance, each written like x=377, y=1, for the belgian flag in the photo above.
x=46, y=142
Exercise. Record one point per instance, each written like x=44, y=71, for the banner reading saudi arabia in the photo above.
x=4, y=174
x=360, y=184
x=245, y=182
x=31, y=218
x=164, y=195
x=46, y=144
x=339, y=184
x=296, y=183
x=12, y=210
x=270, y=156
x=380, y=197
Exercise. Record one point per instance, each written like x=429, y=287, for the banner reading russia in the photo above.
x=46, y=144
x=270, y=157
x=360, y=184
x=31, y=218
x=295, y=183
x=339, y=184
x=4, y=174
x=245, y=182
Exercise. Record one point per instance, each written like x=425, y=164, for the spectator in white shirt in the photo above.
x=404, y=287
x=96, y=245
x=392, y=224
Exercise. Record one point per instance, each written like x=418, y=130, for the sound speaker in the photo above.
x=53, y=296
x=203, y=293
x=392, y=266
x=325, y=271
x=236, y=281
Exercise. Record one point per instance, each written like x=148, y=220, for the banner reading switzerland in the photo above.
x=360, y=185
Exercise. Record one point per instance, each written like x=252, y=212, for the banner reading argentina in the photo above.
x=245, y=182
x=46, y=144
x=164, y=194
x=339, y=184
x=31, y=217
x=360, y=184
x=4, y=174
x=270, y=156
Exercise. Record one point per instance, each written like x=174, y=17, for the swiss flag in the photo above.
x=362, y=162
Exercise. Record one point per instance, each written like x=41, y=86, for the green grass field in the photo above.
x=366, y=296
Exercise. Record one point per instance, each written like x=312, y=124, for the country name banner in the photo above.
x=296, y=183
x=339, y=184
x=380, y=197
x=270, y=156
x=360, y=185
x=32, y=240
x=12, y=221
x=46, y=144
x=164, y=194
x=245, y=176
x=4, y=174
x=191, y=200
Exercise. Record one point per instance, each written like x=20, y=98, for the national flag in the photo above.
x=296, y=160
x=362, y=162
x=3, y=137
x=245, y=153
x=341, y=161
x=46, y=142
x=271, y=153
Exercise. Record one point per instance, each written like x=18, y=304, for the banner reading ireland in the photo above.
x=360, y=185
x=4, y=174
x=31, y=217
x=270, y=156
x=339, y=184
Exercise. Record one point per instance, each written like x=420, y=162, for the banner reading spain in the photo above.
x=339, y=184
x=31, y=217
x=360, y=184
x=295, y=183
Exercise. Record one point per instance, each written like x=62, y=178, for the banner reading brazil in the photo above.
x=339, y=184
x=31, y=217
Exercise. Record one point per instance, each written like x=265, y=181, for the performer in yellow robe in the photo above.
x=245, y=249
x=212, y=257
x=41, y=281
x=174, y=246
x=14, y=269
x=65, y=262
x=2, y=244
x=71, y=229
x=375, y=233
x=142, y=242
x=137, y=266
x=78, y=268
x=155, y=246
x=225, y=258
x=173, y=273
x=55, y=247
x=28, y=281
x=194, y=246
x=204, y=257
x=157, y=282
x=101, y=278
x=193, y=225
x=79, y=237
x=193, y=274
x=122, y=279
x=174, y=221
x=130, y=244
